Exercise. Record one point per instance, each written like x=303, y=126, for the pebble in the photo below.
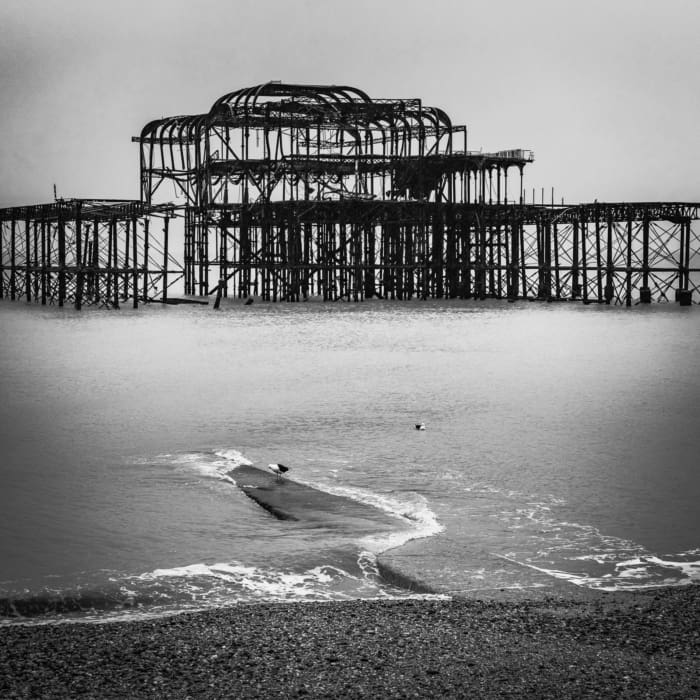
x=641, y=645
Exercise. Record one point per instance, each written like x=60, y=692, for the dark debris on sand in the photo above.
x=642, y=645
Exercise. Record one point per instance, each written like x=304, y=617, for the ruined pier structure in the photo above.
x=291, y=191
x=96, y=252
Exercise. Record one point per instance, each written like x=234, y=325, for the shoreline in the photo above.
x=633, y=644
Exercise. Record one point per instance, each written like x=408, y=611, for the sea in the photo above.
x=561, y=442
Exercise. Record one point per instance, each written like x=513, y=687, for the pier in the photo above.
x=287, y=192
x=86, y=252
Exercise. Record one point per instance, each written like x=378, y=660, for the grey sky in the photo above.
x=606, y=92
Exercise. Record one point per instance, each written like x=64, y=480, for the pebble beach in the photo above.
x=633, y=645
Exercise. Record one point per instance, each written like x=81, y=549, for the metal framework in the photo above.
x=611, y=253
x=297, y=190
x=86, y=252
x=292, y=191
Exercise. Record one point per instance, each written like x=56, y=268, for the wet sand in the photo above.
x=640, y=645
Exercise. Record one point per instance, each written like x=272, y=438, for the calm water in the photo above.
x=560, y=437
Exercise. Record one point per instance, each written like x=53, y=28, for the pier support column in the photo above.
x=644, y=290
x=685, y=297
x=628, y=266
x=27, y=262
x=598, y=256
x=2, y=263
x=61, y=259
x=575, y=284
x=582, y=289
x=44, y=262
x=134, y=264
x=683, y=294
x=78, y=258
x=514, y=258
x=144, y=267
x=13, y=253
x=609, y=268
x=557, y=278
x=544, y=256
x=115, y=263
x=189, y=250
x=2, y=259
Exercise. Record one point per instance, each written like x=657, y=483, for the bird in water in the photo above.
x=420, y=426
x=278, y=470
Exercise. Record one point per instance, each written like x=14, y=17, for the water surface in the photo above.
x=558, y=436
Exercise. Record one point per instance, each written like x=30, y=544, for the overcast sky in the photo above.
x=605, y=92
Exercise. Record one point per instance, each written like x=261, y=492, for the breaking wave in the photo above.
x=583, y=555
x=347, y=573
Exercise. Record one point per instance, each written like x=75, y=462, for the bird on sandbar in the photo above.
x=278, y=470
x=420, y=426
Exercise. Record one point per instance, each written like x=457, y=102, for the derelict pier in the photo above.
x=286, y=192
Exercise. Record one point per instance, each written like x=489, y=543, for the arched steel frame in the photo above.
x=292, y=190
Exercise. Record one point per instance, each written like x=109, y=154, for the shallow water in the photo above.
x=561, y=437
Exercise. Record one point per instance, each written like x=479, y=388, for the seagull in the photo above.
x=420, y=426
x=278, y=470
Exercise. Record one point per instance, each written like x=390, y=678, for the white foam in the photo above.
x=597, y=558
x=581, y=553
x=233, y=458
x=686, y=569
x=224, y=584
x=251, y=582
x=629, y=574
x=411, y=509
x=635, y=572
x=367, y=561
x=211, y=466
x=585, y=556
